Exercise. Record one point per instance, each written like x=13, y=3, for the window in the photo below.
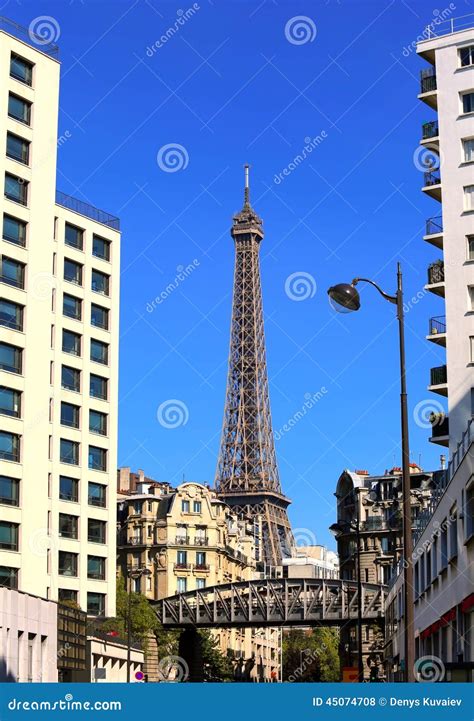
x=444, y=546
x=9, y=491
x=469, y=510
x=72, y=307
x=97, y=495
x=72, y=271
x=453, y=534
x=10, y=402
x=98, y=387
x=73, y=236
x=185, y=506
x=182, y=558
x=98, y=422
x=99, y=316
x=9, y=447
x=471, y=349
x=10, y=358
x=417, y=579
x=99, y=352
x=67, y=563
x=181, y=584
x=434, y=559
x=68, y=489
x=69, y=452
x=197, y=507
x=8, y=536
x=69, y=415
x=68, y=526
x=96, y=604
x=201, y=559
x=18, y=148
x=16, y=189
x=466, y=56
x=67, y=595
x=468, y=150
x=12, y=272
x=467, y=102
x=97, y=458
x=96, y=567
x=11, y=314
x=14, y=230
x=8, y=577
x=19, y=109
x=100, y=282
x=71, y=342
x=70, y=379
x=469, y=197
x=96, y=531
x=200, y=583
x=100, y=248
x=21, y=69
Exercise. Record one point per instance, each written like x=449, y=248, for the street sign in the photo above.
x=350, y=674
x=139, y=675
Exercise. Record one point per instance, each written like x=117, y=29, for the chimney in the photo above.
x=442, y=461
x=124, y=479
x=141, y=475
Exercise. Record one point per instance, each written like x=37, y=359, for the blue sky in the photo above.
x=231, y=87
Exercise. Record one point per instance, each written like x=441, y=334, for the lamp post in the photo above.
x=345, y=298
x=337, y=529
x=132, y=573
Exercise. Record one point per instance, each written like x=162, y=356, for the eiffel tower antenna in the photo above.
x=247, y=473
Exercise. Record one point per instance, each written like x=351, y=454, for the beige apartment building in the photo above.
x=187, y=538
x=59, y=307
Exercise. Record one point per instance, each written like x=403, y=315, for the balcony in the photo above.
x=434, y=231
x=439, y=380
x=429, y=130
x=201, y=541
x=432, y=184
x=436, y=278
x=181, y=540
x=82, y=208
x=437, y=330
x=428, y=88
x=439, y=429
x=135, y=541
x=26, y=35
x=182, y=566
x=375, y=523
x=201, y=567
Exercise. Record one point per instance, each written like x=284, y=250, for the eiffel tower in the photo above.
x=247, y=474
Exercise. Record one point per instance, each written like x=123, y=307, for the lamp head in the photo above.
x=344, y=297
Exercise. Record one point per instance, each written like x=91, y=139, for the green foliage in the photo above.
x=144, y=619
x=311, y=655
x=217, y=667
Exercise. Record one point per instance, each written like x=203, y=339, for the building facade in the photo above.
x=311, y=562
x=447, y=88
x=188, y=538
x=369, y=533
x=59, y=306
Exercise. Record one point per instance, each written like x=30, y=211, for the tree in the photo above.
x=311, y=655
x=217, y=667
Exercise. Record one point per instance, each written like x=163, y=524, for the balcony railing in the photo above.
x=79, y=206
x=182, y=540
x=375, y=523
x=429, y=130
x=432, y=177
x=437, y=325
x=453, y=25
x=27, y=35
x=436, y=273
x=438, y=376
x=428, y=80
x=434, y=225
x=201, y=541
x=201, y=567
x=439, y=425
x=135, y=540
x=182, y=566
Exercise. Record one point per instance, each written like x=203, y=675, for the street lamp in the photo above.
x=338, y=529
x=132, y=573
x=345, y=298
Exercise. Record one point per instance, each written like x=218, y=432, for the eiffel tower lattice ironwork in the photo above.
x=247, y=473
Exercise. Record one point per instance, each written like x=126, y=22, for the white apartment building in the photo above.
x=443, y=556
x=447, y=86
x=59, y=308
